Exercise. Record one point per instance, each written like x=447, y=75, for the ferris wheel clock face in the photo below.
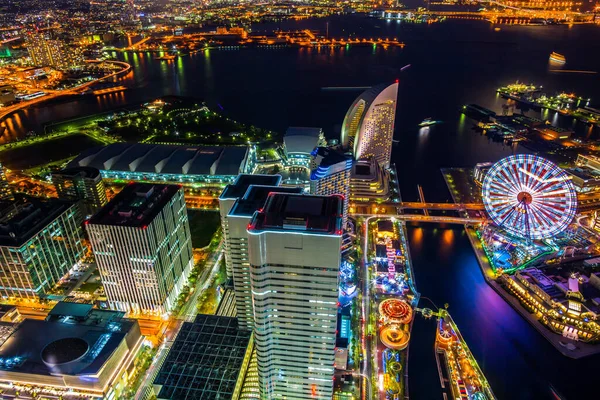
x=529, y=196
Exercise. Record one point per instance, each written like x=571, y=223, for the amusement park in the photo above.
x=394, y=298
x=533, y=245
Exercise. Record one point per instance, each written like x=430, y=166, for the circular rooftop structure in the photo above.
x=63, y=351
x=394, y=338
x=395, y=310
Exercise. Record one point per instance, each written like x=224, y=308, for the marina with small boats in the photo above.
x=568, y=104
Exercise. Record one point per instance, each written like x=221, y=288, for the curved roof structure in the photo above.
x=302, y=140
x=165, y=159
x=368, y=126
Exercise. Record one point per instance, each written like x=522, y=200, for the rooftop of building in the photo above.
x=241, y=184
x=302, y=140
x=365, y=169
x=83, y=172
x=67, y=345
x=164, y=159
x=326, y=158
x=24, y=217
x=135, y=206
x=584, y=173
x=296, y=212
x=255, y=199
x=205, y=360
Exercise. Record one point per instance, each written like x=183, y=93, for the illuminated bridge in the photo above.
x=436, y=219
x=395, y=208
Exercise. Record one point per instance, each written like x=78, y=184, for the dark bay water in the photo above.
x=452, y=63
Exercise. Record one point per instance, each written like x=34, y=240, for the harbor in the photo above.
x=567, y=104
x=544, y=313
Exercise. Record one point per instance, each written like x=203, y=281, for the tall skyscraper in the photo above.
x=238, y=219
x=331, y=175
x=227, y=199
x=294, y=248
x=55, y=53
x=5, y=190
x=81, y=184
x=39, y=242
x=141, y=242
x=368, y=127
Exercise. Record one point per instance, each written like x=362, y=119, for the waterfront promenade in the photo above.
x=580, y=349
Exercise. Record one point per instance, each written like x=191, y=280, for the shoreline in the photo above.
x=582, y=349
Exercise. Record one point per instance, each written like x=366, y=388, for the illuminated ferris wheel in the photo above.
x=529, y=196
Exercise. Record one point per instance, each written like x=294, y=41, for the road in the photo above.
x=189, y=309
x=5, y=111
x=366, y=340
x=187, y=313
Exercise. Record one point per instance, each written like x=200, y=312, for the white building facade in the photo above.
x=294, y=253
x=142, y=245
x=368, y=127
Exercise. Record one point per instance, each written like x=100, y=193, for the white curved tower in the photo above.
x=368, y=127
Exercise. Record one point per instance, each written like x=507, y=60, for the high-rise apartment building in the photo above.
x=294, y=248
x=81, y=184
x=227, y=199
x=368, y=127
x=39, y=242
x=238, y=219
x=332, y=174
x=5, y=190
x=142, y=245
x=55, y=53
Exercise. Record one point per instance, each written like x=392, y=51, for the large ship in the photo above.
x=557, y=58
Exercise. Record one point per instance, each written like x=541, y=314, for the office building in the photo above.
x=369, y=182
x=237, y=220
x=208, y=360
x=5, y=190
x=141, y=242
x=331, y=175
x=55, y=53
x=40, y=241
x=299, y=142
x=368, y=127
x=227, y=199
x=77, y=349
x=82, y=184
x=294, y=248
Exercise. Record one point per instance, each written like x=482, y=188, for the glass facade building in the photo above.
x=81, y=184
x=207, y=361
x=40, y=241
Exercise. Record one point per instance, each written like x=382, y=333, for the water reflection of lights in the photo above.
x=448, y=236
x=423, y=131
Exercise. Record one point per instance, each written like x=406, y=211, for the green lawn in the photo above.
x=203, y=225
x=89, y=287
